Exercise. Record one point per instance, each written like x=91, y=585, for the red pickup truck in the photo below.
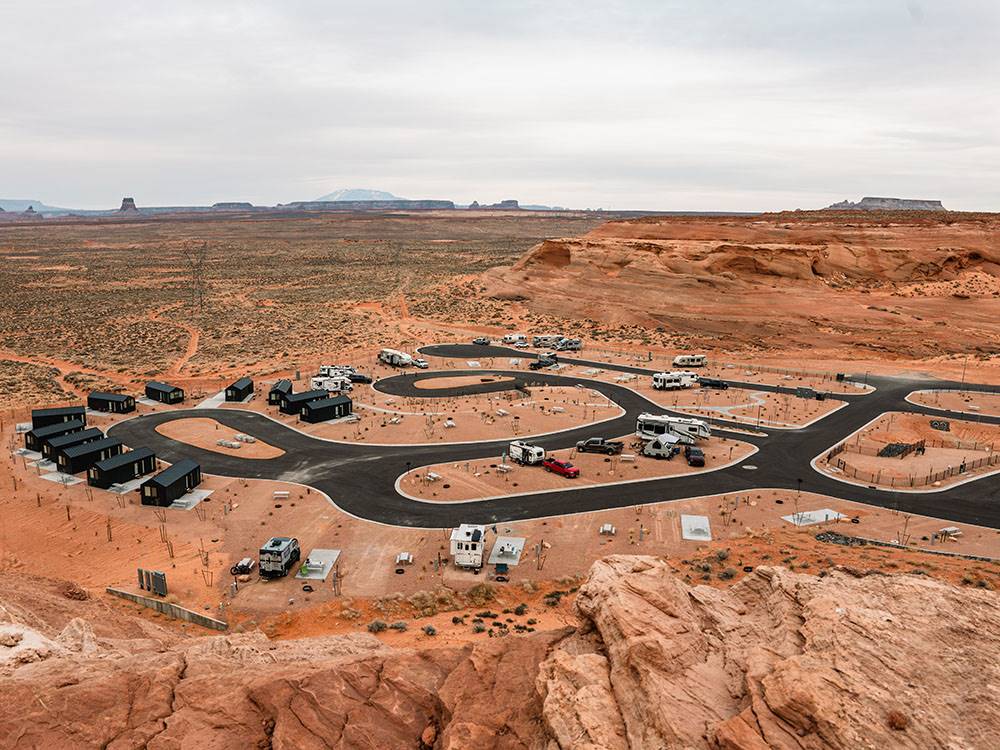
x=562, y=468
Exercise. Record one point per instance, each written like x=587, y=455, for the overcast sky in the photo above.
x=721, y=105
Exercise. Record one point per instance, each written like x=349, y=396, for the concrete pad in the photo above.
x=809, y=517
x=189, y=500
x=29, y=455
x=129, y=486
x=44, y=465
x=148, y=401
x=696, y=528
x=507, y=550
x=22, y=427
x=321, y=563
x=212, y=402
x=66, y=479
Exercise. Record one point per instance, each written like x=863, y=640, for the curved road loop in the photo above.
x=360, y=479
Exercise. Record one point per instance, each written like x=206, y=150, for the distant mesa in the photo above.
x=357, y=194
x=507, y=205
x=233, y=206
x=128, y=206
x=370, y=205
x=869, y=203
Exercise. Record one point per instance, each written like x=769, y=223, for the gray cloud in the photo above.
x=658, y=105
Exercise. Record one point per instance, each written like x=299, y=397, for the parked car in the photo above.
x=544, y=360
x=421, y=364
x=713, y=383
x=521, y=345
x=357, y=377
x=481, y=340
x=695, y=456
x=600, y=445
x=562, y=468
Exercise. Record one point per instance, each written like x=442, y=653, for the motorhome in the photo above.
x=513, y=338
x=328, y=370
x=332, y=383
x=547, y=340
x=395, y=358
x=277, y=556
x=662, y=446
x=650, y=426
x=690, y=360
x=569, y=345
x=525, y=453
x=468, y=542
x=671, y=381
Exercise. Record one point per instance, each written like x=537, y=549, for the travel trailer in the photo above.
x=335, y=370
x=671, y=381
x=548, y=340
x=395, y=358
x=650, y=426
x=513, y=338
x=526, y=454
x=569, y=345
x=332, y=383
x=663, y=446
x=690, y=360
x=468, y=542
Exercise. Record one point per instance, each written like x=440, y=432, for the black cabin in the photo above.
x=326, y=408
x=292, y=403
x=45, y=417
x=171, y=483
x=54, y=446
x=164, y=392
x=279, y=389
x=116, y=403
x=81, y=457
x=240, y=390
x=122, y=468
x=36, y=438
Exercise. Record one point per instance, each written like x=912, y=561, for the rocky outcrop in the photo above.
x=869, y=203
x=128, y=206
x=780, y=660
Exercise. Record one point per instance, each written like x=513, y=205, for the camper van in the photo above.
x=547, y=340
x=663, y=446
x=278, y=556
x=468, y=543
x=332, y=383
x=650, y=426
x=525, y=453
x=690, y=360
x=513, y=338
x=569, y=345
x=395, y=358
x=671, y=381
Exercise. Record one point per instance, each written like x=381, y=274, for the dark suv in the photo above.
x=695, y=456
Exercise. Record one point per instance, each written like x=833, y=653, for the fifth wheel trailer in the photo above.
x=395, y=358
x=670, y=381
x=690, y=360
x=650, y=426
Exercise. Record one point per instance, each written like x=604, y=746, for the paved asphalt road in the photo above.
x=361, y=478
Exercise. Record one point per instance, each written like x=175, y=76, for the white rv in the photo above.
x=332, y=383
x=328, y=370
x=395, y=358
x=513, y=338
x=468, y=542
x=690, y=360
x=547, y=340
x=569, y=345
x=651, y=426
x=671, y=381
x=525, y=453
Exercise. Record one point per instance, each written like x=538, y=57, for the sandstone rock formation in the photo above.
x=128, y=206
x=787, y=278
x=780, y=660
x=869, y=203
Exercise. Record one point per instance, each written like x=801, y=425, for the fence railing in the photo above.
x=884, y=478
